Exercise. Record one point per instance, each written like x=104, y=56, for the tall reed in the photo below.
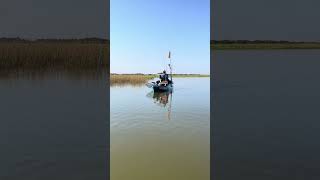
x=42, y=55
x=133, y=79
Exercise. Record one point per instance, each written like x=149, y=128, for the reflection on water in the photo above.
x=161, y=135
x=162, y=99
x=266, y=122
x=55, y=74
x=54, y=125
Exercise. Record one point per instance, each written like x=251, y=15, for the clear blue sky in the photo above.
x=143, y=31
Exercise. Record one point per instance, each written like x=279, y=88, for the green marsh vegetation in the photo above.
x=190, y=75
x=89, y=53
x=261, y=45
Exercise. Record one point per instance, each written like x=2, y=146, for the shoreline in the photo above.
x=262, y=45
x=156, y=75
x=136, y=79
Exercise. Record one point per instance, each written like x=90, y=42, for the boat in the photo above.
x=165, y=83
x=162, y=86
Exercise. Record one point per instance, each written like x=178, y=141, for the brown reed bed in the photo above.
x=54, y=54
x=130, y=79
x=141, y=79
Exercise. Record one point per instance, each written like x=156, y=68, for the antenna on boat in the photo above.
x=169, y=56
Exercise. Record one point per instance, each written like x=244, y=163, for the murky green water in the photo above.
x=266, y=114
x=54, y=125
x=161, y=136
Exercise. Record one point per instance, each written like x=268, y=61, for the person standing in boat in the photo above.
x=164, y=76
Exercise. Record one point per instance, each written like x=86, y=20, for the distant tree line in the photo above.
x=51, y=40
x=255, y=42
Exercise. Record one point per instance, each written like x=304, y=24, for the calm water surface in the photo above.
x=161, y=135
x=53, y=126
x=266, y=115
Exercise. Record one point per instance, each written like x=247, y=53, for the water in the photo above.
x=53, y=126
x=161, y=136
x=266, y=115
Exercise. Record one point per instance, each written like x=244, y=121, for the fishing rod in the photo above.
x=169, y=56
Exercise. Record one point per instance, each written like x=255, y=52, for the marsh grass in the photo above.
x=190, y=75
x=132, y=79
x=43, y=55
x=141, y=79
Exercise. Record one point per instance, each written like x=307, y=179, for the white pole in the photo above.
x=170, y=69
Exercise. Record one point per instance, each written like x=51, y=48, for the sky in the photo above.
x=293, y=20
x=143, y=31
x=54, y=18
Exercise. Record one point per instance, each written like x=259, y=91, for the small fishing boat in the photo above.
x=162, y=86
x=165, y=83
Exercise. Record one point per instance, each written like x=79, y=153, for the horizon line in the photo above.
x=264, y=40
x=36, y=39
x=157, y=73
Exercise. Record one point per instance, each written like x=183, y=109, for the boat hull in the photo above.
x=158, y=88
